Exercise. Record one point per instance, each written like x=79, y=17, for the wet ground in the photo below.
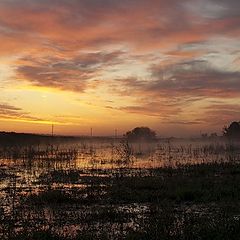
x=117, y=190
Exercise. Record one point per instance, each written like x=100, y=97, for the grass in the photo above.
x=60, y=176
x=192, y=202
x=186, y=202
x=51, y=197
x=199, y=184
x=164, y=225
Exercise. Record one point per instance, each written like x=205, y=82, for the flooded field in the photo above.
x=113, y=189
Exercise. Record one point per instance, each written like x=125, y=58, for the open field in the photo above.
x=111, y=189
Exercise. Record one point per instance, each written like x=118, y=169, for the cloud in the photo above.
x=8, y=108
x=221, y=114
x=157, y=109
x=196, y=78
x=157, y=58
x=227, y=8
x=68, y=27
x=11, y=112
x=187, y=79
x=66, y=74
x=172, y=91
x=182, y=122
x=89, y=23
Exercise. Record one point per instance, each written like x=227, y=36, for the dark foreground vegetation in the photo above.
x=192, y=202
x=45, y=194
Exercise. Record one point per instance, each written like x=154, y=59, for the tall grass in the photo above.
x=103, y=191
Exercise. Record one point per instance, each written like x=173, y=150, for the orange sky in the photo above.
x=107, y=64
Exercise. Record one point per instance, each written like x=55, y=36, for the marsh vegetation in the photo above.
x=114, y=189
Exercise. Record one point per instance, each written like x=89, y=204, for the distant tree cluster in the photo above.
x=209, y=136
x=141, y=134
x=232, y=131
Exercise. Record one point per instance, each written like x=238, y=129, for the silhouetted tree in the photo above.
x=204, y=135
x=233, y=131
x=141, y=134
x=213, y=135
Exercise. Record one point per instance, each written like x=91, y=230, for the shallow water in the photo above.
x=72, y=167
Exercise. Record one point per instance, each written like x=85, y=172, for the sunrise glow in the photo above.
x=171, y=65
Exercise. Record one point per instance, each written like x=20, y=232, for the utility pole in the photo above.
x=52, y=129
x=52, y=139
x=91, y=132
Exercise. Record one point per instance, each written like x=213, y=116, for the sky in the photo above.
x=171, y=65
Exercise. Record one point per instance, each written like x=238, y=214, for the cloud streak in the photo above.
x=11, y=112
x=67, y=74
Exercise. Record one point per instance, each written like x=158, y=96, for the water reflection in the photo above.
x=61, y=188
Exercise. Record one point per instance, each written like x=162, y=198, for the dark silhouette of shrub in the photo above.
x=233, y=131
x=141, y=134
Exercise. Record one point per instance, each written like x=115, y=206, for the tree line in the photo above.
x=146, y=134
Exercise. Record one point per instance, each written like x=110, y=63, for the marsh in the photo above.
x=105, y=188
